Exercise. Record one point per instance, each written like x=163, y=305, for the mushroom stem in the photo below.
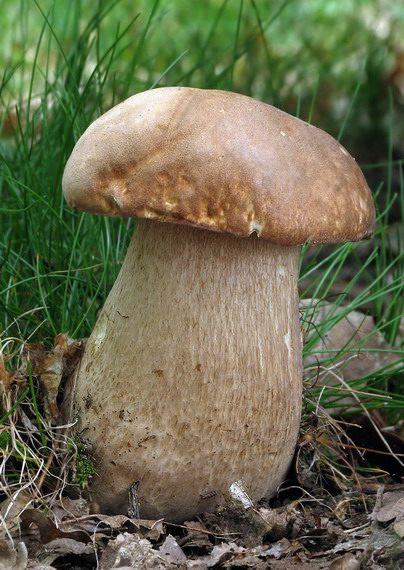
x=192, y=377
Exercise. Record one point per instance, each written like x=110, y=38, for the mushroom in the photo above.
x=192, y=376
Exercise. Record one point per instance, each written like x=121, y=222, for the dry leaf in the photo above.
x=392, y=507
x=239, y=512
x=132, y=551
x=237, y=496
x=171, y=551
x=279, y=521
x=106, y=523
x=50, y=367
x=68, y=508
x=196, y=536
x=62, y=547
x=378, y=540
x=47, y=528
x=277, y=550
x=33, y=565
x=196, y=564
x=83, y=528
x=398, y=528
x=230, y=555
x=13, y=558
x=11, y=510
x=220, y=553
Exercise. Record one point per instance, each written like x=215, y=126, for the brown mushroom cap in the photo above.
x=220, y=161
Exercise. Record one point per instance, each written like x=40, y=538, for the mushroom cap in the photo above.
x=220, y=161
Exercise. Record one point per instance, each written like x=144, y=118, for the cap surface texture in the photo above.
x=220, y=161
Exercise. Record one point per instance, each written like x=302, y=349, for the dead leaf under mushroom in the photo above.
x=130, y=550
x=50, y=366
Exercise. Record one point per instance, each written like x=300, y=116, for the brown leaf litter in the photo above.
x=308, y=532
x=50, y=366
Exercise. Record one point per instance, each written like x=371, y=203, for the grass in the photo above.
x=66, y=63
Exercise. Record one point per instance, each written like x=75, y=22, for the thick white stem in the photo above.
x=192, y=376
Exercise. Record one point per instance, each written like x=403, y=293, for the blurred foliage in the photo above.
x=284, y=52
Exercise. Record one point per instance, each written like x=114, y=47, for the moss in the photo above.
x=84, y=467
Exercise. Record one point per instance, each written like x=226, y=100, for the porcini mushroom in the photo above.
x=192, y=376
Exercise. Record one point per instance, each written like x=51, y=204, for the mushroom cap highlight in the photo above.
x=221, y=161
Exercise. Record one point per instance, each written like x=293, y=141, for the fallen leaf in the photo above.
x=398, y=528
x=392, y=507
x=50, y=366
x=279, y=521
x=26, y=422
x=33, y=565
x=47, y=528
x=239, y=510
x=171, y=551
x=67, y=508
x=284, y=548
x=34, y=352
x=220, y=553
x=237, y=496
x=378, y=540
x=11, y=510
x=277, y=550
x=63, y=547
x=132, y=551
x=104, y=524
x=196, y=536
x=13, y=558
